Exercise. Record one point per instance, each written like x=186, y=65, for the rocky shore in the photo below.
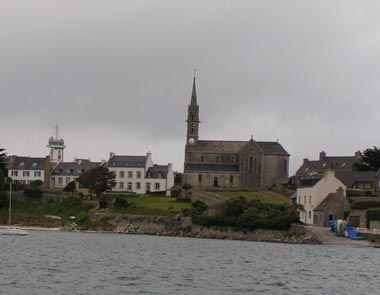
x=183, y=227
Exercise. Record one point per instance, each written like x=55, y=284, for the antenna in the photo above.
x=56, y=130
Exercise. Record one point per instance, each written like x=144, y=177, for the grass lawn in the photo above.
x=263, y=196
x=152, y=206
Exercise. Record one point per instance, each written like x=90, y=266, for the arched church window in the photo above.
x=251, y=164
x=192, y=117
x=199, y=177
x=192, y=130
x=285, y=166
x=255, y=166
x=202, y=159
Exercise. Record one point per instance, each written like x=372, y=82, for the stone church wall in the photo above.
x=274, y=166
x=208, y=180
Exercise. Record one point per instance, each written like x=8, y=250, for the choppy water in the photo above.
x=77, y=263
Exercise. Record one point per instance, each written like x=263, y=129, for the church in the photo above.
x=216, y=164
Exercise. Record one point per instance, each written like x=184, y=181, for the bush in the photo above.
x=120, y=203
x=365, y=204
x=198, y=207
x=373, y=214
x=36, y=183
x=103, y=204
x=33, y=193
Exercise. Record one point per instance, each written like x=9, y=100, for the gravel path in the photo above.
x=327, y=237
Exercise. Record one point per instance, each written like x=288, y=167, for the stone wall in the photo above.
x=182, y=226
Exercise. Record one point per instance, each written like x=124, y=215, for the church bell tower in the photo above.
x=193, y=118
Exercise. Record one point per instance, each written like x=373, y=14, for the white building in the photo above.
x=314, y=190
x=138, y=174
x=24, y=170
x=65, y=172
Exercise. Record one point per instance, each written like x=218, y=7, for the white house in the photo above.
x=24, y=170
x=65, y=172
x=138, y=174
x=313, y=190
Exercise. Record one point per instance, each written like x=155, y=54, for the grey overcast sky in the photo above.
x=117, y=75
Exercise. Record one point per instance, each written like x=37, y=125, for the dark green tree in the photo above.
x=369, y=160
x=3, y=161
x=178, y=177
x=70, y=187
x=97, y=180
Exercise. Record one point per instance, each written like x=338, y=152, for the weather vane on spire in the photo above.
x=195, y=72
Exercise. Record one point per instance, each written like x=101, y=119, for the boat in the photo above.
x=10, y=230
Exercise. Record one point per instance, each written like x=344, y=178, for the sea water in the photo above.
x=93, y=263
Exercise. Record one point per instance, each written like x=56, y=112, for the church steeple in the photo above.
x=193, y=118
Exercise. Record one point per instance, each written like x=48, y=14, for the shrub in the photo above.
x=373, y=214
x=103, y=204
x=365, y=204
x=120, y=203
x=33, y=192
x=198, y=207
x=36, y=183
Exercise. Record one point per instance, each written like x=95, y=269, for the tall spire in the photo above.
x=194, y=94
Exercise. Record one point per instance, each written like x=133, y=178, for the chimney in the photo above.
x=322, y=155
x=305, y=160
x=358, y=154
x=340, y=192
x=112, y=155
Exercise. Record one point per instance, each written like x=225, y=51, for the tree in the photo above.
x=97, y=180
x=178, y=177
x=70, y=187
x=369, y=160
x=3, y=161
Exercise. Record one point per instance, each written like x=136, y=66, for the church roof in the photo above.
x=189, y=167
x=218, y=146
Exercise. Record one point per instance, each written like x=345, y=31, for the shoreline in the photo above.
x=310, y=235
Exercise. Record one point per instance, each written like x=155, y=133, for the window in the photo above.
x=22, y=164
x=299, y=199
x=199, y=177
x=37, y=173
x=149, y=175
x=14, y=173
x=202, y=159
x=309, y=214
x=232, y=159
x=148, y=186
x=304, y=200
x=130, y=174
x=138, y=174
x=309, y=199
x=159, y=175
x=129, y=186
x=138, y=185
x=217, y=159
x=121, y=174
x=25, y=173
x=60, y=180
x=34, y=164
x=121, y=185
x=251, y=164
x=285, y=166
x=67, y=180
x=231, y=179
x=255, y=166
x=192, y=130
x=157, y=186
